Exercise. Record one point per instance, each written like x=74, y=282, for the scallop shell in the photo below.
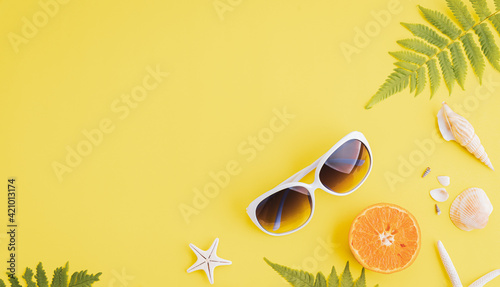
x=444, y=180
x=455, y=127
x=439, y=194
x=471, y=209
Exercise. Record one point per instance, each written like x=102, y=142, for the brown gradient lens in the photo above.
x=285, y=210
x=346, y=167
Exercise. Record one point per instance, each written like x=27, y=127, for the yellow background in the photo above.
x=119, y=209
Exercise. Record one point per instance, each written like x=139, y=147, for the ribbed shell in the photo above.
x=471, y=209
x=454, y=126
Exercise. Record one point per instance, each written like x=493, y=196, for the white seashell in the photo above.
x=455, y=127
x=471, y=209
x=444, y=180
x=439, y=194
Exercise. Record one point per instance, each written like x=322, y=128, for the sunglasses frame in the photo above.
x=294, y=180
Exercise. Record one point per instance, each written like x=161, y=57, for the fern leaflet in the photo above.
x=447, y=70
x=82, y=279
x=427, y=34
x=14, y=282
x=433, y=76
x=481, y=8
x=420, y=81
x=361, y=280
x=441, y=22
x=418, y=46
x=28, y=277
x=474, y=55
x=60, y=278
x=320, y=280
x=461, y=13
x=41, y=277
x=346, y=280
x=410, y=57
x=488, y=46
x=459, y=64
x=294, y=277
x=396, y=82
x=333, y=279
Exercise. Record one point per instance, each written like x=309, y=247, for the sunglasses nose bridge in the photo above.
x=315, y=185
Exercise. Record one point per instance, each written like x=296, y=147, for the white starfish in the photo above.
x=207, y=260
x=452, y=272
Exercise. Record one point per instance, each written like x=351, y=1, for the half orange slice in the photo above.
x=385, y=238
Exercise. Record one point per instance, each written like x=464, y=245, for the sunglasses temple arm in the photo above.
x=299, y=175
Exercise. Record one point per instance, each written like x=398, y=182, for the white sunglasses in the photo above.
x=290, y=206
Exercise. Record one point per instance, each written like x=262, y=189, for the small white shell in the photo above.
x=471, y=209
x=444, y=180
x=439, y=194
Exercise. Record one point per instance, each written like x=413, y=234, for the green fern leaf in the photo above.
x=82, y=279
x=497, y=4
x=441, y=22
x=427, y=34
x=461, y=13
x=60, y=278
x=2, y=284
x=413, y=81
x=407, y=66
x=459, y=64
x=481, y=9
x=418, y=46
x=433, y=76
x=420, y=81
x=333, y=279
x=41, y=277
x=28, y=277
x=320, y=280
x=361, y=282
x=14, y=282
x=295, y=277
x=474, y=55
x=488, y=45
x=406, y=56
x=396, y=82
x=447, y=70
x=346, y=278
x=495, y=21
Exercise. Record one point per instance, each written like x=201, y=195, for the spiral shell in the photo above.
x=471, y=209
x=455, y=127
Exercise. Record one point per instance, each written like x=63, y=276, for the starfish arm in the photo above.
x=197, y=265
x=219, y=261
x=485, y=279
x=199, y=253
x=213, y=248
x=210, y=272
x=448, y=265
